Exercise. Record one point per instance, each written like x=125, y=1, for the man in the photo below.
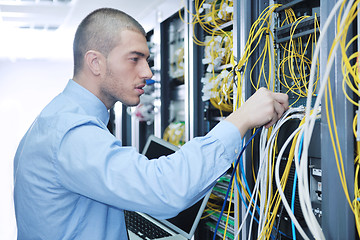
x=73, y=178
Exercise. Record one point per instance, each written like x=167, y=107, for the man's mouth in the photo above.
x=140, y=89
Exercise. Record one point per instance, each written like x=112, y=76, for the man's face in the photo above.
x=127, y=69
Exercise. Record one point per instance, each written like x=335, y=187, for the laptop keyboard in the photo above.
x=142, y=227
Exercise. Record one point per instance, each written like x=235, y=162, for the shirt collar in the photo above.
x=87, y=100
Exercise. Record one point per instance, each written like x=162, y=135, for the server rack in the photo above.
x=173, y=84
x=324, y=184
x=325, y=188
x=281, y=33
x=205, y=115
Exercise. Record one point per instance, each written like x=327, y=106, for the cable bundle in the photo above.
x=294, y=68
x=269, y=199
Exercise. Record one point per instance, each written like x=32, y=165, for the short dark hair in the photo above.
x=100, y=31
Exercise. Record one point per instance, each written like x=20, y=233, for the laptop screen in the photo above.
x=186, y=221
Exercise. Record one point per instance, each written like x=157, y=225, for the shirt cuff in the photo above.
x=230, y=136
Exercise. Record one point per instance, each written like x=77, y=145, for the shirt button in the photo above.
x=236, y=150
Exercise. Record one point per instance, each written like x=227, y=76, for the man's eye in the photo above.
x=135, y=59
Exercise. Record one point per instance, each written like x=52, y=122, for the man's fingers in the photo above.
x=283, y=99
x=279, y=109
x=272, y=121
x=277, y=112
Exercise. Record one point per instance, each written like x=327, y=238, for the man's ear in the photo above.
x=94, y=60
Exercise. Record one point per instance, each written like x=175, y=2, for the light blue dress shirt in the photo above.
x=73, y=178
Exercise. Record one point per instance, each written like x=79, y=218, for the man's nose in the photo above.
x=146, y=72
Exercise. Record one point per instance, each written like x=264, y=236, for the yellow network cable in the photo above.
x=294, y=54
x=260, y=28
x=348, y=81
x=265, y=54
x=356, y=201
x=353, y=71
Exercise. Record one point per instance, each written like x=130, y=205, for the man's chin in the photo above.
x=131, y=104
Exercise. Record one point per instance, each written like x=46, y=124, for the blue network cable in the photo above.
x=243, y=173
x=293, y=191
x=231, y=179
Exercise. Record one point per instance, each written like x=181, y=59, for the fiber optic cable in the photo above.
x=210, y=21
x=353, y=71
x=296, y=56
x=260, y=27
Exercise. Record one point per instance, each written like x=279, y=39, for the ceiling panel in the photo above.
x=45, y=28
x=36, y=14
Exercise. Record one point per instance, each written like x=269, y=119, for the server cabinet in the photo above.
x=173, y=87
x=296, y=29
x=292, y=34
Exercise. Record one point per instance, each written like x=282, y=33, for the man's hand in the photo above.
x=262, y=108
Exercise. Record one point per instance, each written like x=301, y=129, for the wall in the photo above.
x=26, y=86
